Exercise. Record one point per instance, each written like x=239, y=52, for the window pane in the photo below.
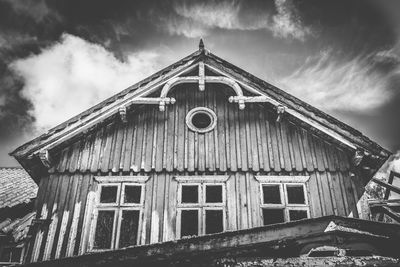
x=295, y=194
x=214, y=193
x=272, y=216
x=189, y=222
x=132, y=194
x=129, y=228
x=190, y=193
x=16, y=255
x=108, y=194
x=104, y=229
x=295, y=215
x=271, y=194
x=6, y=255
x=214, y=221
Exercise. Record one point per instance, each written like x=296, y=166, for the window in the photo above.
x=201, y=119
x=201, y=206
x=11, y=255
x=283, y=199
x=118, y=210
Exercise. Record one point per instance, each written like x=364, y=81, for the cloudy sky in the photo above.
x=58, y=58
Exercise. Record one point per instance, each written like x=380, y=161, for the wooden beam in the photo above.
x=387, y=186
x=388, y=211
x=357, y=157
x=201, y=77
x=280, y=110
x=45, y=158
x=122, y=114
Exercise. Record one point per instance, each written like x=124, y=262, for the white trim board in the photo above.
x=120, y=179
x=282, y=179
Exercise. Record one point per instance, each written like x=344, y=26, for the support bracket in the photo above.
x=45, y=158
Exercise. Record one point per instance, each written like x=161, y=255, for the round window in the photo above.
x=201, y=120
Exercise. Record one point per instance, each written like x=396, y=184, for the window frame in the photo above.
x=118, y=207
x=202, y=182
x=283, y=182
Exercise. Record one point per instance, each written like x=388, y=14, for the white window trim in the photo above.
x=283, y=181
x=118, y=207
x=202, y=182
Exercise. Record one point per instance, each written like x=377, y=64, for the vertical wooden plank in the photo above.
x=161, y=130
x=173, y=198
x=73, y=163
x=338, y=195
x=285, y=146
x=169, y=201
x=215, y=132
x=247, y=138
x=72, y=220
x=243, y=140
x=326, y=193
x=307, y=150
x=62, y=217
x=272, y=130
x=138, y=144
x=83, y=194
x=106, y=147
x=235, y=124
x=259, y=138
x=332, y=192
x=181, y=125
x=129, y=142
x=255, y=158
x=316, y=198
x=50, y=202
x=191, y=136
x=264, y=140
x=119, y=139
x=146, y=225
x=221, y=126
x=170, y=138
x=226, y=142
x=95, y=157
x=241, y=182
x=296, y=148
x=231, y=197
x=348, y=189
x=149, y=140
x=86, y=151
x=319, y=153
x=321, y=193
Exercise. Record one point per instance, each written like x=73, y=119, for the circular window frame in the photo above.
x=205, y=110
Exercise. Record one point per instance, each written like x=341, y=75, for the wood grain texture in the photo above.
x=244, y=140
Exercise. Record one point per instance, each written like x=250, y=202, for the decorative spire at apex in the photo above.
x=201, y=44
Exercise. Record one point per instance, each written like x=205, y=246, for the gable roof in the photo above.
x=16, y=187
x=315, y=117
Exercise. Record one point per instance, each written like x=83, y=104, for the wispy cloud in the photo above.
x=197, y=18
x=361, y=84
x=73, y=74
x=287, y=23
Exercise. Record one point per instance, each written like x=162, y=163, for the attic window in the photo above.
x=201, y=120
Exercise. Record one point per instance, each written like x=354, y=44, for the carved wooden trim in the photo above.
x=45, y=158
x=282, y=179
x=119, y=179
x=202, y=178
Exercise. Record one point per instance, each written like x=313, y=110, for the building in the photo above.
x=204, y=164
x=17, y=195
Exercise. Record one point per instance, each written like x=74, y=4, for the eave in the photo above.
x=291, y=239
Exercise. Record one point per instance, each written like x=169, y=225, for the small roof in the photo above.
x=291, y=239
x=16, y=187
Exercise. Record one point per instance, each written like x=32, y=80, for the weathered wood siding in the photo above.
x=67, y=199
x=243, y=144
x=243, y=140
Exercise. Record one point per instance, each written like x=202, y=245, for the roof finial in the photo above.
x=201, y=44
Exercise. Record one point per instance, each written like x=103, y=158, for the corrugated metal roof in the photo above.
x=16, y=187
